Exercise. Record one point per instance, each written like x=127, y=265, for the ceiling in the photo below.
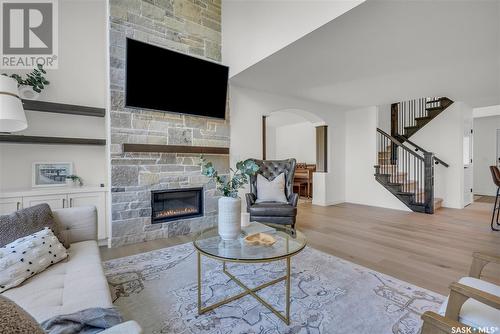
x=384, y=51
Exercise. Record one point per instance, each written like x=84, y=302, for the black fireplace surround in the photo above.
x=173, y=204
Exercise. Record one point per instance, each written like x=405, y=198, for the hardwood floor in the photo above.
x=430, y=251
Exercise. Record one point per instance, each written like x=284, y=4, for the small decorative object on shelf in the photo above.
x=74, y=179
x=230, y=203
x=31, y=86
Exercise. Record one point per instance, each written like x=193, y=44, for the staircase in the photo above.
x=403, y=167
x=410, y=116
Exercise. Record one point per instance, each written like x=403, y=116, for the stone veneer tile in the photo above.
x=180, y=136
x=192, y=27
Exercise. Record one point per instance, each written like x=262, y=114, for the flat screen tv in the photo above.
x=161, y=79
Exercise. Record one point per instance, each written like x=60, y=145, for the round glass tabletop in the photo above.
x=288, y=243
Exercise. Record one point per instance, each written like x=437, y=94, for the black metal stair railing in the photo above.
x=408, y=116
x=406, y=173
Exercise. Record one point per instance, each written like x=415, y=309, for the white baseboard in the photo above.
x=326, y=203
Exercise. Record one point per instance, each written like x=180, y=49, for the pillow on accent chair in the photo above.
x=15, y=320
x=271, y=191
x=28, y=221
x=28, y=256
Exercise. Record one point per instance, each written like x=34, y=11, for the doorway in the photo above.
x=291, y=134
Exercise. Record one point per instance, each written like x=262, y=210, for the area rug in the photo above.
x=158, y=289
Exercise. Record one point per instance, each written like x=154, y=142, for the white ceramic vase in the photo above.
x=229, y=218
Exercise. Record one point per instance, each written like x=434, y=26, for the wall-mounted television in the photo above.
x=165, y=80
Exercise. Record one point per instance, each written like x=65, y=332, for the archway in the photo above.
x=300, y=134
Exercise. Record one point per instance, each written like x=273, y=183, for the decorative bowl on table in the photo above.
x=260, y=239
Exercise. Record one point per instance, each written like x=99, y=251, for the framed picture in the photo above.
x=51, y=174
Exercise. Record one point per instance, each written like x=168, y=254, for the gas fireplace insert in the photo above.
x=174, y=204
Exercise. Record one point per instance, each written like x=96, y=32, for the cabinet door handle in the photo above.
x=18, y=205
x=64, y=202
x=70, y=202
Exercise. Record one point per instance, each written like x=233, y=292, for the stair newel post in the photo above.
x=394, y=131
x=429, y=181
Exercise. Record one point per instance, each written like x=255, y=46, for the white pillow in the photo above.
x=28, y=256
x=271, y=191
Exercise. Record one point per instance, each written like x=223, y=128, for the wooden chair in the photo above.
x=304, y=176
x=472, y=303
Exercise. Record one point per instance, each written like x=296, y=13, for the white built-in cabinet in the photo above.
x=10, y=204
x=55, y=201
x=60, y=198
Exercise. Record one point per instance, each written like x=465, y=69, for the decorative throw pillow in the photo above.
x=27, y=256
x=28, y=221
x=15, y=320
x=271, y=191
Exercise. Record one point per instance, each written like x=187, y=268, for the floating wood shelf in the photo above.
x=174, y=149
x=61, y=108
x=50, y=140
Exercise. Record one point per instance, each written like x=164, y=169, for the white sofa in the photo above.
x=76, y=283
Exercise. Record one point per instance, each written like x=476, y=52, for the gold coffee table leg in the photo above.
x=249, y=291
x=288, y=278
x=199, y=282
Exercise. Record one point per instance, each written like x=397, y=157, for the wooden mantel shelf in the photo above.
x=174, y=149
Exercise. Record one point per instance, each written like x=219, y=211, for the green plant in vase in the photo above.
x=229, y=213
x=229, y=186
x=75, y=179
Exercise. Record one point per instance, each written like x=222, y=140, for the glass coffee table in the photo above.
x=289, y=242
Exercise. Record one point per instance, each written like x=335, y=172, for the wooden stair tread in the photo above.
x=438, y=203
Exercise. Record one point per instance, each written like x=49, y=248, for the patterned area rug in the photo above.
x=329, y=295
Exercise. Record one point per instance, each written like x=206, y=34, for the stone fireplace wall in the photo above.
x=191, y=27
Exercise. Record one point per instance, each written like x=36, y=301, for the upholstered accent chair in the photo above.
x=274, y=212
x=473, y=303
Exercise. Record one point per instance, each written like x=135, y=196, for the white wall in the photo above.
x=247, y=108
x=484, y=153
x=444, y=137
x=255, y=29
x=292, y=141
x=80, y=79
x=298, y=141
x=361, y=155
